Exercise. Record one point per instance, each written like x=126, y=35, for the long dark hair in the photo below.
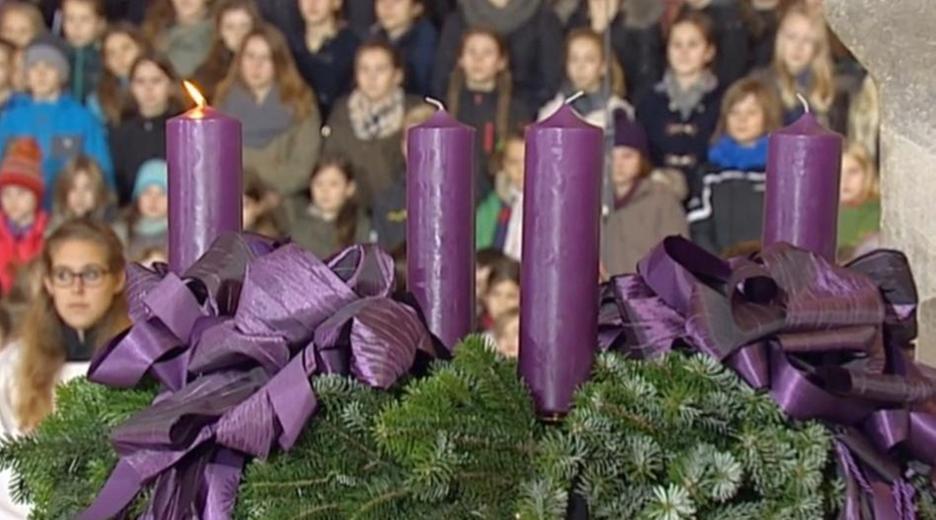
x=43, y=353
x=176, y=100
x=347, y=221
x=114, y=100
x=220, y=58
x=504, y=84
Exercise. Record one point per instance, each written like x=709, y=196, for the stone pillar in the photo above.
x=894, y=40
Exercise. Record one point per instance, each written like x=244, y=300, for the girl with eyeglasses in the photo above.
x=80, y=306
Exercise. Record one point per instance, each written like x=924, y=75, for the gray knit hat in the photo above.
x=48, y=52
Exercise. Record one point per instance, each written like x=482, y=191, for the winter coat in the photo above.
x=85, y=65
x=677, y=142
x=317, y=235
x=330, y=71
x=650, y=213
x=417, y=47
x=187, y=46
x=135, y=141
x=389, y=215
x=376, y=162
x=287, y=161
x=729, y=210
x=857, y=223
x=535, y=47
x=16, y=252
x=63, y=129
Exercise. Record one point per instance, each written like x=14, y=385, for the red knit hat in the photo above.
x=22, y=165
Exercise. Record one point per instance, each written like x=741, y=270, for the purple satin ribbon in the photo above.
x=826, y=341
x=234, y=344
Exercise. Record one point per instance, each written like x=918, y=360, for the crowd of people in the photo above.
x=686, y=92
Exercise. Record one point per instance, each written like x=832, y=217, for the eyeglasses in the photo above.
x=90, y=276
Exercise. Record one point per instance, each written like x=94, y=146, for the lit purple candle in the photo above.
x=559, y=273
x=801, y=203
x=203, y=152
x=440, y=262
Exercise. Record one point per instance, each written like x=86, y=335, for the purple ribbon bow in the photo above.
x=827, y=342
x=234, y=343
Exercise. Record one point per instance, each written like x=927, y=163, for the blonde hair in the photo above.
x=871, y=188
x=821, y=93
x=612, y=67
x=765, y=97
x=864, y=116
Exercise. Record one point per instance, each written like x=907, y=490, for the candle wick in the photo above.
x=803, y=101
x=571, y=99
x=435, y=102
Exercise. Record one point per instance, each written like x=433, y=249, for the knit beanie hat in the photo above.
x=45, y=50
x=153, y=172
x=22, y=166
x=628, y=132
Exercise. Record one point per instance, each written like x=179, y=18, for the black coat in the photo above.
x=330, y=71
x=133, y=142
x=417, y=48
x=535, y=56
x=729, y=210
x=676, y=142
x=639, y=50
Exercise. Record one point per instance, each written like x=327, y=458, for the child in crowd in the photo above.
x=729, y=208
x=80, y=192
x=480, y=94
x=484, y=262
x=24, y=223
x=389, y=209
x=262, y=211
x=499, y=218
x=62, y=127
x=121, y=46
x=503, y=292
x=20, y=23
x=330, y=219
x=152, y=256
x=324, y=50
x=802, y=64
x=730, y=35
x=83, y=24
x=7, y=71
x=234, y=19
x=645, y=210
x=182, y=30
x=859, y=217
x=636, y=38
x=365, y=126
x=507, y=333
x=681, y=112
x=402, y=24
x=147, y=223
x=281, y=124
x=533, y=35
x=587, y=68
x=141, y=134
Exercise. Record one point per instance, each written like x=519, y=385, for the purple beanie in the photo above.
x=629, y=133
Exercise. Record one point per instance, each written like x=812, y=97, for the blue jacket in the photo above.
x=63, y=129
x=417, y=47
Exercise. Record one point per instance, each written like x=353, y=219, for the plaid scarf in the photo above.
x=370, y=120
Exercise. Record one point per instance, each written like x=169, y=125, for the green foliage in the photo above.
x=671, y=439
x=677, y=438
x=61, y=467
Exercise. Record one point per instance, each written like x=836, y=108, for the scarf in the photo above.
x=504, y=21
x=149, y=227
x=16, y=230
x=727, y=153
x=685, y=101
x=588, y=103
x=370, y=120
x=264, y=121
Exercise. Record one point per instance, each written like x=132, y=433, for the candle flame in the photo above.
x=195, y=94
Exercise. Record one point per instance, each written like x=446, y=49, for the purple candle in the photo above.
x=801, y=204
x=203, y=152
x=559, y=273
x=440, y=262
